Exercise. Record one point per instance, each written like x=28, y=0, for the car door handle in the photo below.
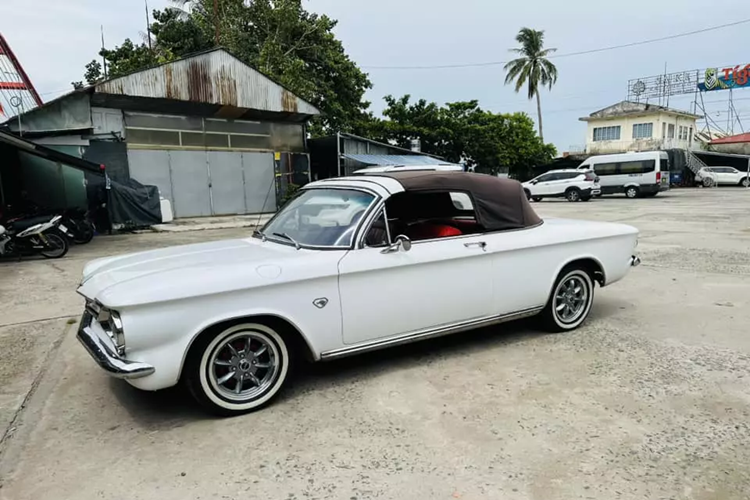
x=480, y=244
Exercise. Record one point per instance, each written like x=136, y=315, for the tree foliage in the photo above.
x=279, y=37
x=462, y=131
x=299, y=49
x=532, y=69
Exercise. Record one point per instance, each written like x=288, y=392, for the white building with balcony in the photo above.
x=633, y=126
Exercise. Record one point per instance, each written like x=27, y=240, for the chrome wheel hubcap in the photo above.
x=243, y=366
x=571, y=298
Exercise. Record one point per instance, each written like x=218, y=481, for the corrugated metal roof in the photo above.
x=214, y=77
x=733, y=139
x=396, y=159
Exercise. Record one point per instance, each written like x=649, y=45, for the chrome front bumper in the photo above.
x=105, y=354
x=635, y=261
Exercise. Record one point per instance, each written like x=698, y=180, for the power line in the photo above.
x=569, y=54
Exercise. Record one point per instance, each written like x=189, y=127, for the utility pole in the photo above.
x=104, y=59
x=148, y=28
x=216, y=22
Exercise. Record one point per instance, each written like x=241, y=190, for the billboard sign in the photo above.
x=659, y=86
x=725, y=78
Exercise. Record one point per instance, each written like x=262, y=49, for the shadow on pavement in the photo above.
x=161, y=410
x=314, y=375
x=175, y=407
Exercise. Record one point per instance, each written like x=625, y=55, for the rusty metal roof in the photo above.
x=213, y=77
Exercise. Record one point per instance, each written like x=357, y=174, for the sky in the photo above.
x=54, y=40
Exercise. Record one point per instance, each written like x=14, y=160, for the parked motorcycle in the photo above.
x=75, y=224
x=43, y=238
x=78, y=225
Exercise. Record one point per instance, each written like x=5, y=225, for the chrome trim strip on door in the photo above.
x=428, y=333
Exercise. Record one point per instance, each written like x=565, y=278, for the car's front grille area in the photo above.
x=107, y=320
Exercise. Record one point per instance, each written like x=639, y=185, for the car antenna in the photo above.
x=260, y=214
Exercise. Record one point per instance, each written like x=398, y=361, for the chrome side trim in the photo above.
x=427, y=334
x=106, y=358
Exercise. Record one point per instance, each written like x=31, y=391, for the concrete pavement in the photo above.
x=648, y=400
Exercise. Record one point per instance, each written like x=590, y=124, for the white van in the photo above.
x=634, y=174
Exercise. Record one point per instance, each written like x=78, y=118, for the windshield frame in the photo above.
x=377, y=198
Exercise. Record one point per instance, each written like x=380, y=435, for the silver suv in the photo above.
x=574, y=185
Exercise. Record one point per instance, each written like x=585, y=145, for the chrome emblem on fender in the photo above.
x=320, y=303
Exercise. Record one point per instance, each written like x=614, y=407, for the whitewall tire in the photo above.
x=238, y=370
x=570, y=302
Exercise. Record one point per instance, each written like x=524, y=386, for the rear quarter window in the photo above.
x=462, y=201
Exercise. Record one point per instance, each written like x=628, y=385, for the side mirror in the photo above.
x=402, y=243
x=534, y=182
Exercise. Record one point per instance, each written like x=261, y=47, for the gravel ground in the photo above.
x=649, y=399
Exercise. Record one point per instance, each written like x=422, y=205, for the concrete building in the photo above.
x=632, y=126
x=212, y=133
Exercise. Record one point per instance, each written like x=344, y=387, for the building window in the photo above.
x=643, y=130
x=607, y=133
x=690, y=135
x=182, y=132
x=670, y=131
x=685, y=133
x=663, y=130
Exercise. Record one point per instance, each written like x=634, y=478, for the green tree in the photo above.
x=533, y=68
x=93, y=72
x=462, y=131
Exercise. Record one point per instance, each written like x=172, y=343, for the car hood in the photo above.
x=121, y=279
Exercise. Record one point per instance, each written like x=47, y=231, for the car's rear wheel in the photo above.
x=708, y=182
x=238, y=370
x=536, y=198
x=570, y=302
x=573, y=194
x=632, y=192
x=56, y=246
x=528, y=194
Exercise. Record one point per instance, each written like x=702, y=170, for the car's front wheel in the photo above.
x=745, y=182
x=238, y=370
x=536, y=198
x=570, y=301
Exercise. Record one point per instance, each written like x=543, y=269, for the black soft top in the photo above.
x=500, y=204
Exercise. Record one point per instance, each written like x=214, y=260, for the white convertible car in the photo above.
x=348, y=266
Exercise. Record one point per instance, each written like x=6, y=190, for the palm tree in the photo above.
x=532, y=67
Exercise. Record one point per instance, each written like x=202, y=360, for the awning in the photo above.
x=385, y=160
x=49, y=154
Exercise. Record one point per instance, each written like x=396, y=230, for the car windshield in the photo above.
x=319, y=217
